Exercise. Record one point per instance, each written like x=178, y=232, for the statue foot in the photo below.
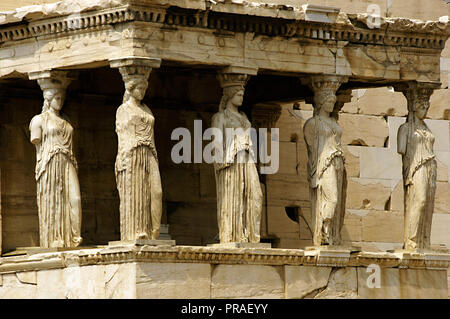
x=77, y=241
x=142, y=236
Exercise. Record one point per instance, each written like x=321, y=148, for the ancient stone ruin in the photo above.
x=222, y=149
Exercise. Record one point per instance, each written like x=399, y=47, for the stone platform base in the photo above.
x=242, y=245
x=143, y=242
x=212, y=272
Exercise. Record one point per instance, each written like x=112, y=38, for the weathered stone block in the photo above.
x=352, y=160
x=288, y=158
x=303, y=280
x=394, y=124
x=290, y=124
x=382, y=101
x=352, y=229
x=12, y=288
x=381, y=163
x=342, y=284
x=363, y=130
x=120, y=281
x=280, y=225
x=440, y=233
x=378, y=246
x=389, y=284
x=439, y=107
x=381, y=226
x=367, y=193
x=440, y=129
x=397, y=197
x=175, y=280
x=442, y=198
x=87, y=282
x=292, y=243
x=420, y=284
x=247, y=281
x=443, y=168
x=286, y=188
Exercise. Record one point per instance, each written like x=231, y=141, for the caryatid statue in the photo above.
x=137, y=171
x=58, y=189
x=415, y=144
x=326, y=170
x=239, y=194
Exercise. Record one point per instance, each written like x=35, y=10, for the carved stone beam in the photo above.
x=329, y=84
x=265, y=115
x=129, y=66
x=342, y=97
x=55, y=79
x=413, y=90
x=235, y=76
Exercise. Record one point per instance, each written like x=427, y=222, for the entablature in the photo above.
x=272, y=38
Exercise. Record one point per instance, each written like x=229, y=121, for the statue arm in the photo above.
x=402, y=139
x=218, y=123
x=309, y=133
x=36, y=130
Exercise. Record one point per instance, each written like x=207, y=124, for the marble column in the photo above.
x=326, y=170
x=415, y=143
x=58, y=189
x=239, y=195
x=137, y=169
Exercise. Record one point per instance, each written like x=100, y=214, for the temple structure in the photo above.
x=347, y=214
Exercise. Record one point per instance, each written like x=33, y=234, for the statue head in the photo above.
x=418, y=103
x=136, y=87
x=232, y=95
x=324, y=99
x=54, y=91
x=324, y=88
x=135, y=79
x=53, y=99
x=233, y=85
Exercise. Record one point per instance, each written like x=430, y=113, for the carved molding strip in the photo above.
x=400, y=33
x=196, y=254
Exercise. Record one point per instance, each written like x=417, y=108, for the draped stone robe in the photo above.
x=239, y=195
x=328, y=181
x=58, y=192
x=419, y=178
x=137, y=173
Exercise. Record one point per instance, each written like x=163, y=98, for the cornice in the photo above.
x=260, y=19
x=210, y=255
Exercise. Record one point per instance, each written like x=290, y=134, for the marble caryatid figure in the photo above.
x=58, y=189
x=326, y=171
x=239, y=194
x=137, y=172
x=415, y=144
